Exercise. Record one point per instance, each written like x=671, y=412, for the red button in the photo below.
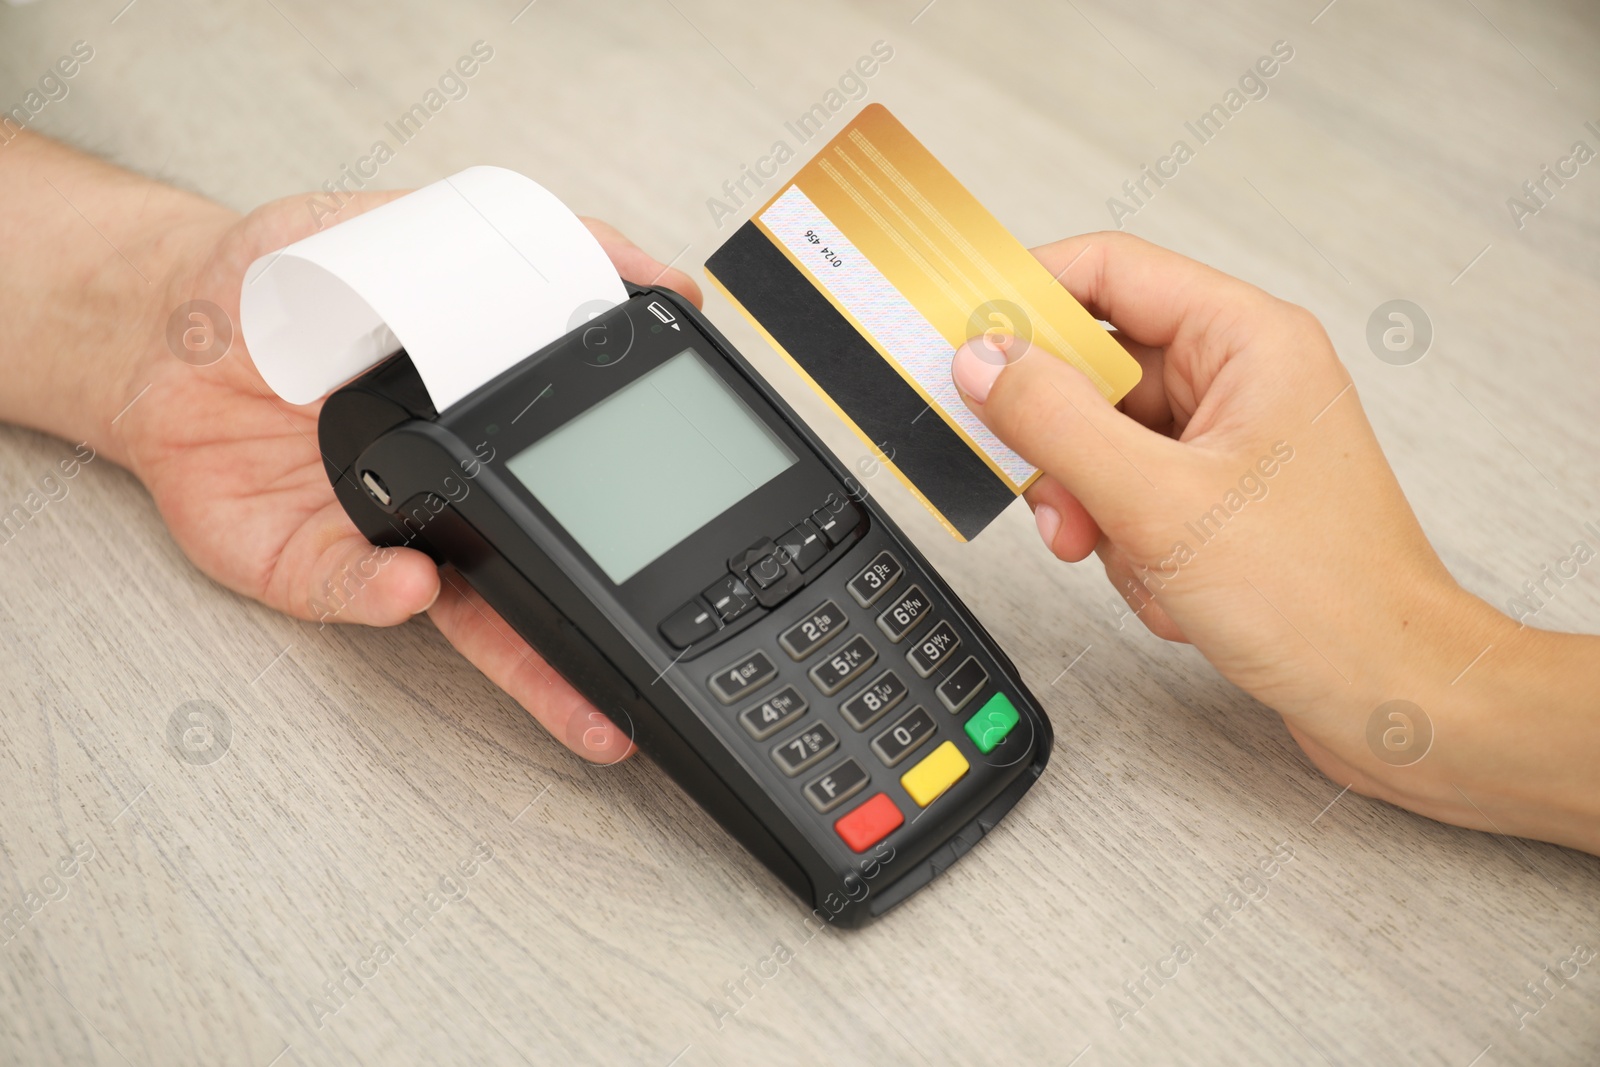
x=870, y=823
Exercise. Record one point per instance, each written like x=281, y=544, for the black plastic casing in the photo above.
x=451, y=497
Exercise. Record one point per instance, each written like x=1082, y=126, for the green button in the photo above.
x=992, y=722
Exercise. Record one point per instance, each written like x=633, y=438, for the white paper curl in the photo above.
x=470, y=275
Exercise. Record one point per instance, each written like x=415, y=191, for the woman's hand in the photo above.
x=1240, y=501
x=239, y=480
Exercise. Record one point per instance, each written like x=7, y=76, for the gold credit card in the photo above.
x=867, y=270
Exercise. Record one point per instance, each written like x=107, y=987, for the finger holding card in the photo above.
x=867, y=270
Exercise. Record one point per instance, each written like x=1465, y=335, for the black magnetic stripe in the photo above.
x=941, y=465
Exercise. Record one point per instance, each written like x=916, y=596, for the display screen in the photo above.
x=650, y=464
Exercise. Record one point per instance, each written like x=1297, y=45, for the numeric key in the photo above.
x=804, y=748
x=932, y=649
x=846, y=662
x=875, y=701
x=737, y=679
x=875, y=579
x=905, y=736
x=813, y=631
x=901, y=617
x=774, y=713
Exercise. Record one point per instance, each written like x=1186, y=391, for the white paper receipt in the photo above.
x=469, y=275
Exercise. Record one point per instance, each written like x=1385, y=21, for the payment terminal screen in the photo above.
x=650, y=464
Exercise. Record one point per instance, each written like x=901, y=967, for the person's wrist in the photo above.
x=104, y=245
x=1486, y=736
x=1397, y=650
x=174, y=245
x=1438, y=635
x=1517, y=748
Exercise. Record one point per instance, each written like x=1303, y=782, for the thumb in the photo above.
x=329, y=573
x=353, y=581
x=1055, y=418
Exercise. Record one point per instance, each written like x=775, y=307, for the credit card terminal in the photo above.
x=646, y=511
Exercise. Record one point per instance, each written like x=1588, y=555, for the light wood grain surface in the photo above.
x=212, y=909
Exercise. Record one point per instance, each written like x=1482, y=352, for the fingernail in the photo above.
x=973, y=374
x=432, y=602
x=1048, y=520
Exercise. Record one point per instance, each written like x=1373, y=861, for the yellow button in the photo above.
x=942, y=769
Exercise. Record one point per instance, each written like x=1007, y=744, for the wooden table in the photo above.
x=213, y=909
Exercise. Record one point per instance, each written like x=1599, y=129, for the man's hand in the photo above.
x=234, y=470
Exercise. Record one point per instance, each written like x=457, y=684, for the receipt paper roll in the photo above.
x=469, y=275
